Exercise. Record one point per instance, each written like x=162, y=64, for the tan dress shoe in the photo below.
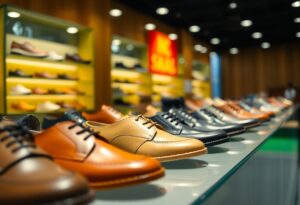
x=140, y=135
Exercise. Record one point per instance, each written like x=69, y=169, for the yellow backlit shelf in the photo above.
x=41, y=97
x=133, y=88
x=56, y=42
x=42, y=62
x=39, y=81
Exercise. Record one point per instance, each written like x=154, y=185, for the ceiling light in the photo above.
x=297, y=20
x=215, y=41
x=116, y=42
x=13, y=14
x=194, y=28
x=115, y=12
x=256, y=35
x=162, y=11
x=233, y=5
x=197, y=47
x=173, y=36
x=298, y=34
x=72, y=30
x=150, y=26
x=246, y=23
x=233, y=51
x=265, y=45
x=296, y=4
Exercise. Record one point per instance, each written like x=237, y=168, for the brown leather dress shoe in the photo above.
x=74, y=146
x=140, y=135
x=29, y=176
x=106, y=114
x=238, y=112
x=260, y=116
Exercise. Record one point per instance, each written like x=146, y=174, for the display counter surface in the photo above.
x=193, y=180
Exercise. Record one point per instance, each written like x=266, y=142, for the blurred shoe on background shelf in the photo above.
x=121, y=65
x=45, y=75
x=68, y=91
x=66, y=77
x=18, y=73
x=71, y=105
x=104, y=165
x=19, y=90
x=76, y=58
x=23, y=106
x=52, y=55
x=47, y=106
x=106, y=114
x=27, y=49
x=55, y=92
x=39, y=91
x=29, y=176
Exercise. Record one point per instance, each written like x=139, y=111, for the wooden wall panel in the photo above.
x=91, y=13
x=256, y=70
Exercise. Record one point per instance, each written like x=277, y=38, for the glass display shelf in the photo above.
x=192, y=181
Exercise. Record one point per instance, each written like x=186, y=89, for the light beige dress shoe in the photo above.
x=140, y=135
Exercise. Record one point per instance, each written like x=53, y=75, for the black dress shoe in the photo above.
x=209, y=121
x=173, y=125
x=169, y=103
x=18, y=73
x=248, y=123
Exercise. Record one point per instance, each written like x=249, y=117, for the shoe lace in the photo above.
x=216, y=111
x=146, y=121
x=186, y=115
x=19, y=135
x=84, y=129
x=171, y=118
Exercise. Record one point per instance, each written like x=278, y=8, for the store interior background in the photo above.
x=252, y=70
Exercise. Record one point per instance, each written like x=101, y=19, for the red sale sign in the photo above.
x=162, y=54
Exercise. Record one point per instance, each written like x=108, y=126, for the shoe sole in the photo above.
x=216, y=142
x=236, y=132
x=26, y=53
x=181, y=156
x=129, y=180
x=82, y=199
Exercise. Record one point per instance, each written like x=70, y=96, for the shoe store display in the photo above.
x=39, y=91
x=104, y=165
x=172, y=124
x=76, y=58
x=47, y=106
x=29, y=176
x=53, y=56
x=20, y=90
x=65, y=77
x=18, y=73
x=23, y=106
x=27, y=49
x=45, y=75
x=247, y=123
